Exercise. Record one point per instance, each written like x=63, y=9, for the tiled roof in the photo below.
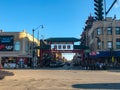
x=71, y=39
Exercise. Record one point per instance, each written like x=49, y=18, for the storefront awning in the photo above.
x=106, y=54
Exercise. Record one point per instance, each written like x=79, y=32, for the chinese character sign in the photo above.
x=61, y=46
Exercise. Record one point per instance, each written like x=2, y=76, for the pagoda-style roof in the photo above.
x=70, y=39
x=47, y=47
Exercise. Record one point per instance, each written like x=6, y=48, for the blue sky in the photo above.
x=61, y=18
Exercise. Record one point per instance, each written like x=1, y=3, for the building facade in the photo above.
x=84, y=36
x=104, y=40
x=15, y=46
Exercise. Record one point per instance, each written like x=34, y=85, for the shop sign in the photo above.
x=93, y=53
x=6, y=43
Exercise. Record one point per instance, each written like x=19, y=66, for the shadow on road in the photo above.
x=114, y=70
x=97, y=86
x=3, y=74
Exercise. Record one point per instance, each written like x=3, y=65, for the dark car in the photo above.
x=56, y=64
x=53, y=64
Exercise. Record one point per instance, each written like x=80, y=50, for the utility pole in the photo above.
x=33, y=54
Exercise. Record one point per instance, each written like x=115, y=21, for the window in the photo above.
x=27, y=46
x=102, y=30
x=98, y=44
x=92, y=34
x=64, y=46
x=117, y=30
x=98, y=31
x=68, y=46
x=109, y=44
x=17, y=46
x=59, y=47
x=102, y=44
x=118, y=43
x=55, y=47
x=109, y=31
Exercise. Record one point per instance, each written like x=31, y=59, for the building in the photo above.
x=15, y=46
x=84, y=35
x=104, y=40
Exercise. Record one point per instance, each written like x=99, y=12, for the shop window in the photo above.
x=17, y=46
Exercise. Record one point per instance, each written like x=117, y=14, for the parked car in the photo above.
x=56, y=64
x=53, y=64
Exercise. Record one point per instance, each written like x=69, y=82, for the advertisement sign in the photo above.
x=6, y=43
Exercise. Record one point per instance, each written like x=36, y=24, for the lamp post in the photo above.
x=33, y=54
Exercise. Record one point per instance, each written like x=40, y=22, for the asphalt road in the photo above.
x=66, y=78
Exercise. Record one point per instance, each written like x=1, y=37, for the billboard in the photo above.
x=6, y=43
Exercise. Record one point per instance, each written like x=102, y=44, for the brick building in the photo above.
x=103, y=39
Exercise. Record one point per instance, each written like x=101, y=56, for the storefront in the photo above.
x=16, y=49
x=16, y=61
x=111, y=59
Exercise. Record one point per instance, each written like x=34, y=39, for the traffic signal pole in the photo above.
x=98, y=9
x=110, y=7
x=105, y=8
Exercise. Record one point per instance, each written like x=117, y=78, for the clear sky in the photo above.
x=61, y=18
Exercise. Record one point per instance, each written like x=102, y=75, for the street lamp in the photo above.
x=33, y=54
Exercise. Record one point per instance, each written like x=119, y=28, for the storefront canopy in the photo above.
x=106, y=54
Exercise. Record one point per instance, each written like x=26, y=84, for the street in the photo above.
x=59, y=79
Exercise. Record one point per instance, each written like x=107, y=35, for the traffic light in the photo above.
x=98, y=9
